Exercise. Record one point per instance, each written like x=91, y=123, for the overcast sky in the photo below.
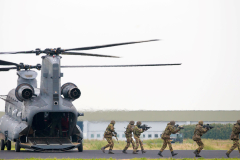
x=203, y=35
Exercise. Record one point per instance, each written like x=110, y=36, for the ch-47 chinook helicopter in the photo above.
x=30, y=111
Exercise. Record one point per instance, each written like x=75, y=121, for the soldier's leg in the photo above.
x=128, y=144
x=137, y=144
x=133, y=144
x=109, y=142
x=60, y=128
x=200, y=145
x=141, y=144
x=169, y=145
x=238, y=147
x=235, y=145
x=53, y=128
x=164, y=145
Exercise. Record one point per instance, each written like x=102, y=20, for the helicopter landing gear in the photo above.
x=2, y=144
x=8, y=145
x=17, y=146
x=80, y=147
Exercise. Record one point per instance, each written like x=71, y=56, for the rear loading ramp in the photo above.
x=49, y=143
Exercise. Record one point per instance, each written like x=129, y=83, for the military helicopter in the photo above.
x=44, y=118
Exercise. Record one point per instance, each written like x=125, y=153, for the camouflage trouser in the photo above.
x=110, y=143
x=165, y=143
x=129, y=140
x=235, y=145
x=54, y=125
x=137, y=143
x=200, y=145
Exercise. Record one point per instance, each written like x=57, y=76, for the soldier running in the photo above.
x=198, y=132
x=108, y=136
x=137, y=132
x=128, y=135
x=235, y=138
x=166, y=138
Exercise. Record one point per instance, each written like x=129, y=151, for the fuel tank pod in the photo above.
x=24, y=92
x=71, y=91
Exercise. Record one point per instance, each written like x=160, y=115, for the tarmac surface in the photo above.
x=87, y=154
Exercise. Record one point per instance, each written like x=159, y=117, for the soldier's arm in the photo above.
x=140, y=130
x=173, y=130
x=203, y=130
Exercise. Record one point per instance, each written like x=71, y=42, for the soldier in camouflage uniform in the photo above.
x=56, y=118
x=235, y=138
x=166, y=138
x=198, y=132
x=108, y=135
x=137, y=132
x=128, y=134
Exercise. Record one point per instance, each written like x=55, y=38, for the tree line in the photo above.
x=220, y=131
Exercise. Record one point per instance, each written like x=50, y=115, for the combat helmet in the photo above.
x=172, y=123
x=131, y=122
x=238, y=121
x=112, y=122
x=139, y=123
x=200, y=123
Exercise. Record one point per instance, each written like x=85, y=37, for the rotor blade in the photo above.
x=7, y=63
x=6, y=100
x=135, y=65
x=7, y=69
x=108, y=45
x=87, y=54
x=20, y=52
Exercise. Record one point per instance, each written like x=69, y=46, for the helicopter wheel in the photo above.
x=80, y=147
x=8, y=145
x=17, y=146
x=2, y=144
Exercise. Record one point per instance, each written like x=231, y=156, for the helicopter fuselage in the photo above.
x=31, y=119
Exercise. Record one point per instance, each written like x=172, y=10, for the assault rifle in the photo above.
x=115, y=135
x=145, y=127
x=208, y=127
x=177, y=126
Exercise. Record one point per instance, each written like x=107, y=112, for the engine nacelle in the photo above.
x=71, y=91
x=24, y=92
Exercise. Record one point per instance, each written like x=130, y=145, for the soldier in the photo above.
x=56, y=118
x=166, y=138
x=108, y=135
x=137, y=132
x=128, y=134
x=235, y=138
x=198, y=132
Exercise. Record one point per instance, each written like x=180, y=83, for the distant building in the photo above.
x=95, y=123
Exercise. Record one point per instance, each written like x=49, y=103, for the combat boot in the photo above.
x=173, y=154
x=227, y=154
x=134, y=152
x=103, y=149
x=124, y=151
x=110, y=151
x=198, y=155
x=160, y=153
x=137, y=150
x=195, y=152
x=143, y=151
